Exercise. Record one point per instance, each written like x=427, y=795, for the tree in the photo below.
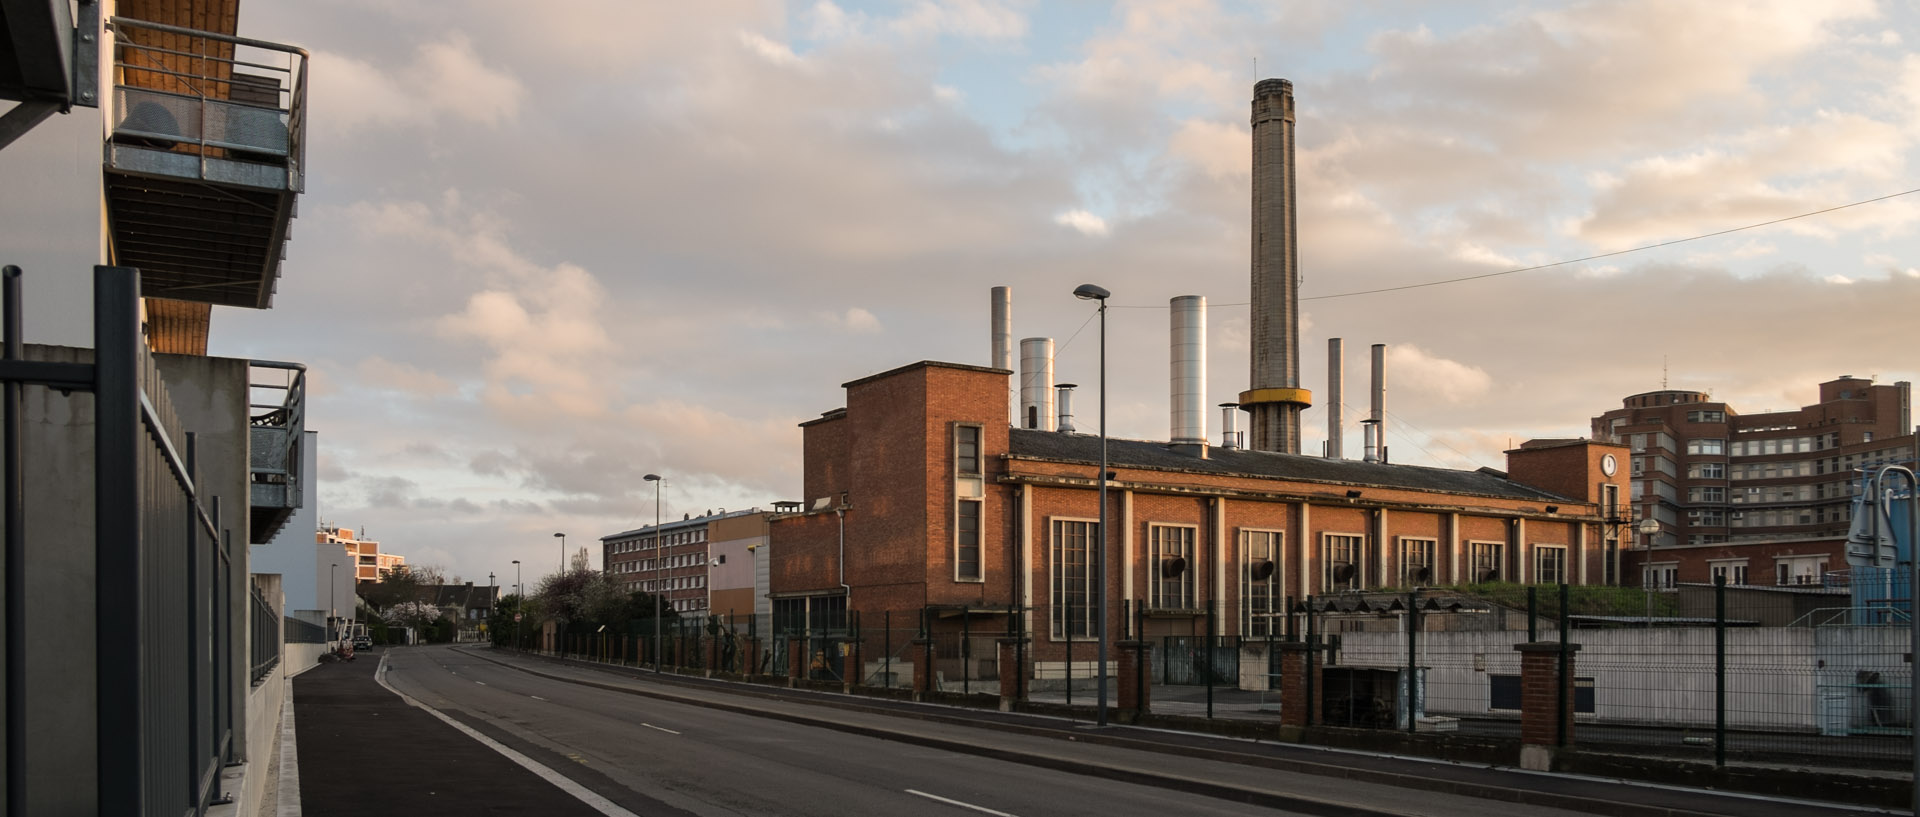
x=398, y=584
x=415, y=614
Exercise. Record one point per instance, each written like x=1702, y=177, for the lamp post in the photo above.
x=519, y=603
x=1091, y=292
x=333, y=599
x=658, y=561
x=563, y=552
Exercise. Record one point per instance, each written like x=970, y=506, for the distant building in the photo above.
x=1760, y=499
x=692, y=552
x=368, y=562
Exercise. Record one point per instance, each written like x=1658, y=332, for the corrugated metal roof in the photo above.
x=1053, y=445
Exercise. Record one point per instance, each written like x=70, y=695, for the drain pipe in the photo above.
x=845, y=589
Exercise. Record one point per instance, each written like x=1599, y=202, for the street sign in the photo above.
x=516, y=616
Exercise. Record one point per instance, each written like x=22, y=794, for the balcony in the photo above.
x=277, y=412
x=204, y=160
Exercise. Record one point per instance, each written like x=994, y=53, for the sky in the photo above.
x=546, y=250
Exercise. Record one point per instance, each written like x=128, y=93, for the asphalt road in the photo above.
x=654, y=756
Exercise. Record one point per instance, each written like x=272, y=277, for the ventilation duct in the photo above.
x=1064, y=391
x=1036, y=383
x=1229, y=438
x=1187, y=350
x=1379, y=416
x=1003, y=342
x=1336, y=385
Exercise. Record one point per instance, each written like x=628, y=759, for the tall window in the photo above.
x=1172, y=558
x=1705, y=446
x=1416, y=562
x=1734, y=572
x=1341, y=557
x=966, y=547
x=1261, y=580
x=1550, y=564
x=1489, y=562
x=1072, y=577
x=966, y=449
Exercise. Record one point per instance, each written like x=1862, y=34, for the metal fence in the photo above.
x=164, y=583
x=303, y=632
x=263, y=651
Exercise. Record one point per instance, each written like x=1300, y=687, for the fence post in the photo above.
x=886, y=640
x=1533, y=612
x=1206, y=658
x=1563, y=714
x=966, y=652
x=1413, y=661
x=1312, y=700
x=1720, y=670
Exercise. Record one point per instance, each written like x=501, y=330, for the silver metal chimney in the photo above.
x=1187, y=350
x=1379, y=416
x=1036, y=383
x=1064, y=391
x=1274, y=398
x=1229, y=438
x=1003, y=345
x=1370, y=431
x=1336, y=385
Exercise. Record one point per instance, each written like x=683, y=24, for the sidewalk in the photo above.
x=364, y=751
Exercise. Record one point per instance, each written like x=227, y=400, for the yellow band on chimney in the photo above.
x=1298, y=397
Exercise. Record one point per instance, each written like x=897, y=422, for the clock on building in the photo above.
x=1608, y=465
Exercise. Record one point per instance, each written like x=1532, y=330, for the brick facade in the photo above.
x=1543, y=689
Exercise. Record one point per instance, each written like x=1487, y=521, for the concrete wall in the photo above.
x=290, y=554
x=1777, y=678
x=61, y=717
x=210, y=396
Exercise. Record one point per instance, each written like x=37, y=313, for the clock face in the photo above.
x=1608, y=465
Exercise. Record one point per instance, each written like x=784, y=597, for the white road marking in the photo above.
x=482, y=683
x=981, y=809
x=661, y=728
x=579, y=792
x=536, y=697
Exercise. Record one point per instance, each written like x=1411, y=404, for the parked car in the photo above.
x=361, y=642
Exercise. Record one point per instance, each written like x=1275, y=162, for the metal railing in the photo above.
x=264, y=651
x=277, y=414
x=179, y=86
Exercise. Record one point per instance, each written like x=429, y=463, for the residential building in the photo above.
x=1760, y=499
x=155, y=465
x=674, y=559
x=369, y=563
x=466, y=604
x=919, y=499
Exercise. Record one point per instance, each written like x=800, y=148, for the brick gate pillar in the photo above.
x=1295, y=708
x=1543, y=692
x=797, y=659
x=1013, y=678
x=750, y=655
x=922, y=650
x=851, y=671
x=1131, y=668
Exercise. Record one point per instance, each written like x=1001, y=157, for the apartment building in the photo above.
x=153, y=674
x=680, y=560
x=1756, y=499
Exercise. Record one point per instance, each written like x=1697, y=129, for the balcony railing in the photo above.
x=205, y=155
x=277, y=410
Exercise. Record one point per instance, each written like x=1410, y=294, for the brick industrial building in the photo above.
x=1759, y=499
x=918, y=495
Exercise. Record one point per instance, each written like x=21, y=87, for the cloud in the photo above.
x=1086, y=223
x=980, y=19
x=1423, y=375
x=445, y=80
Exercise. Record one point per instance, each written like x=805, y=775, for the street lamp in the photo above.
x=333, y=599
x=1091, y=292
x=658, y=561
x=519, y=603
x=563, y=552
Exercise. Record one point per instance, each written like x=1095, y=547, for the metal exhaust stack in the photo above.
x=1064, y=393
x=1036, y=383
x=1003, y=345
x=1336, y=384
x=1274, y=398
x=1187, y=350
x=1229, y=438
x=1379, y=416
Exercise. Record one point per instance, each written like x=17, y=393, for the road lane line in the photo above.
x=579, y=792
x=981, y=809
x=536, y=697
x=661, y=728
x=482, y=683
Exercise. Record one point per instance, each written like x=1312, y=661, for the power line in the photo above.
x=1641, y=248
